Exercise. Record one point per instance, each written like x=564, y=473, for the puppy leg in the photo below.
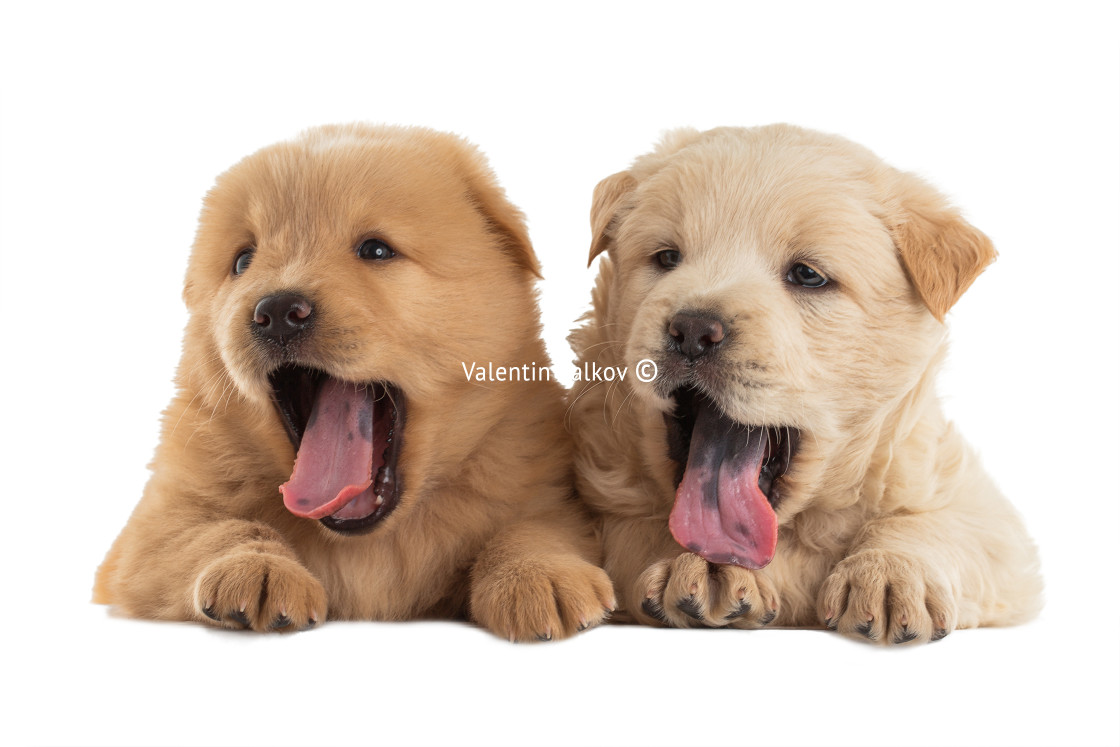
x=536, y=581
x=888, y=598
x=232, y=573
x=659, y=584
x=258, y=583
x=688, y=591
x=916, y=578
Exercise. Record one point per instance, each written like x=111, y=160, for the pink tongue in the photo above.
x=720, y=513
x=335, y=460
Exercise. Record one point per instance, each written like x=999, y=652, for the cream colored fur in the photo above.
x=889, y=527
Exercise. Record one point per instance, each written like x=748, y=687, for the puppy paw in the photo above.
x=542, y=599
x=688, y=591
x=886, y=598
x=261, y=592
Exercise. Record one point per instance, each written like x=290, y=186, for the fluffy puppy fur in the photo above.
x=358, y=268
x=791, y=288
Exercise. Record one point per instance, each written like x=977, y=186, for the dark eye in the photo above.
x=375, y=249
x=668, y=258
x=806, y=276
x=244, y=258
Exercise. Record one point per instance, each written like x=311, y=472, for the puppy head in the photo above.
x=790, y=287
x=345, y=275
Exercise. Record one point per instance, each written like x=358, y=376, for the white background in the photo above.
x=114, y=121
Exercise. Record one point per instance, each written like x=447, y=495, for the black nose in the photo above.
x=695, y=334
x=281, y=317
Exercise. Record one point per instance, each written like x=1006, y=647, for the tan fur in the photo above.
x=888, y=527
x=486, y=526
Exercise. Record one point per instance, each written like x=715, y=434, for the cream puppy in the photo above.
x=789, y=464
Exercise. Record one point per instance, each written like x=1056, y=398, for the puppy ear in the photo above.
x=942, y=253
x=604, y=209
x=503, y=219
x=506, y=221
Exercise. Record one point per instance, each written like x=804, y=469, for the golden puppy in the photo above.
x=325, y=455
x=789, y=464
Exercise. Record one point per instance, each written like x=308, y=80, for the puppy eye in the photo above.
x=668, y=258
x=806, y=276
x=375, y=249
x=244, y=258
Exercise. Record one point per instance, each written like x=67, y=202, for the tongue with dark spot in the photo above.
x=720, y=513
x=335, y=460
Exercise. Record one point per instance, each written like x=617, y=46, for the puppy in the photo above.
x=789, y=464
x=325, y=456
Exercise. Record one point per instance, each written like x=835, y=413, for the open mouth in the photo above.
x=348, y=439
x=730, y=481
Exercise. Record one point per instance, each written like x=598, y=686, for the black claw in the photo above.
x=864, y=629
x=691, y=607
x=939, y=634
x=743, y=608
x=280, y=621
x=769, y=617
x=905, y=635
x=209, y=612
x=548, y=637
x=654, y=609
x=832, y=624
x=310, y=624
x=239, y=617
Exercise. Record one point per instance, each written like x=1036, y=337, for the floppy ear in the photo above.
x=506, y=221
x=503, y=219
x=604, y=208
x=941, y=252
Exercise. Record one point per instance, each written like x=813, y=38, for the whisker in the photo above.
x=572, y=404
x=597, y=344
x=612, y=385
x=213, y=412
x=629, y=398
x=197, y=394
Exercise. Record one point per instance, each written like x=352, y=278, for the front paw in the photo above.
x=887, y=598
x=542, y=599
x=688, y=591
x=259, y=591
